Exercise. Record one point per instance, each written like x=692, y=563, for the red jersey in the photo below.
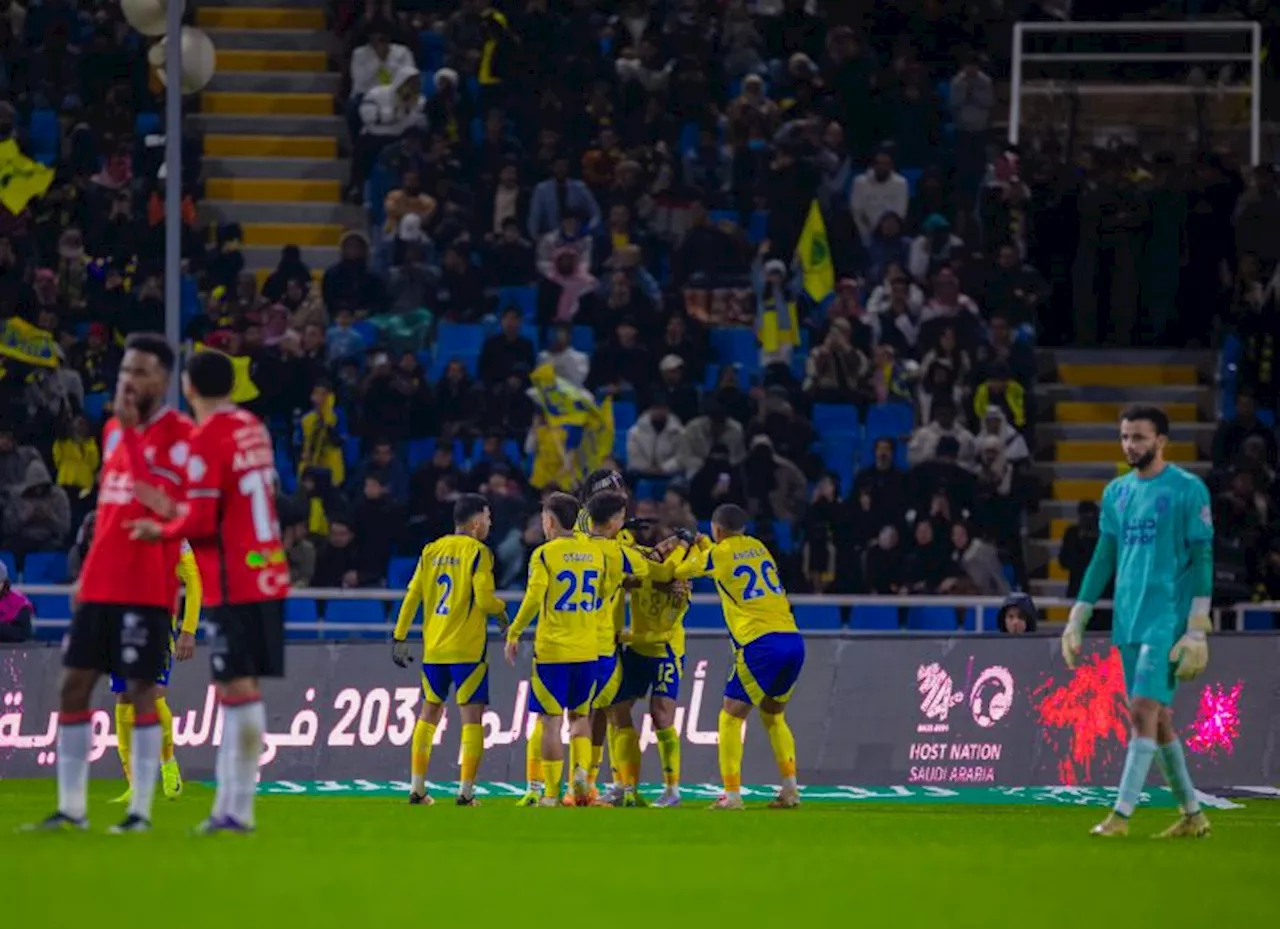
x=117, y=570
x=229, y=517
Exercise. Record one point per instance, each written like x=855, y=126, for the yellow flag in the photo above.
x=243, y=389
x=21, y=179
x=28, y=344
x=814, y=252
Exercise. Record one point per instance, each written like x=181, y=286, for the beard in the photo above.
x=1143, y=461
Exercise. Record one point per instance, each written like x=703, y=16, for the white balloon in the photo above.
x=199, y=59
x=150, y=17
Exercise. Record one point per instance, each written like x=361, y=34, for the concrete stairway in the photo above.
x=1081, y=394
x=271, y=136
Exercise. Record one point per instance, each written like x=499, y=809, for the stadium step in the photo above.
x=270, y=146
x=335, y=169
x=278, y=234
x=226, y=211
x=239, y=124
x=1098, y=411
x=271, y=40
x=1135, y=375
x=283, y=82
x=1049, y=433
x=267, y=104
x=248, y=17
x=1101, y=470
x=1086, y=450
x=310, y=62
x=266, y=257
x=254, y=190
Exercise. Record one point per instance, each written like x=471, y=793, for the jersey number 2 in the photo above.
x=446, y=582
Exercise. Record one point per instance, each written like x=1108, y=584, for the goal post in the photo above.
x=1063, y=70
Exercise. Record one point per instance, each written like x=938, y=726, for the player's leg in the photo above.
x=548, y=691
x=170, y=773
x=733, y=714
x=124, y=733
x=627, y=753
x=424, y=735
x=601, y=732
x=579, y=698
x=776, y=670
x=533, y=766
x=662, y=710
x=473, y=697
x=1143, y=673
x=1192, y=824
x=552, y=758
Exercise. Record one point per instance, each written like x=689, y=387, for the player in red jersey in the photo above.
x=126, y=592
x=229, y=518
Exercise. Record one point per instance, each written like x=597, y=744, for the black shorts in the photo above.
x=247, y=639
x=131, y=642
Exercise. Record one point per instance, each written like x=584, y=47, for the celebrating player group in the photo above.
x=587, y=666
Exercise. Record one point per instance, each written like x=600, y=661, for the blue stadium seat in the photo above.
x=583, y=339
x=932, y=618
x=688, y=138
x=799, y=361
x=371, y=613
x=722, y=216
x=459, y=339
x=400, y=571
x=650, y=489
x=1267, y=418
x=300, y=610
x=1258, y=620
x=51, y=606
x=45, y=568
x=912, y=177
x=189, y=300
x=43, y=135
x=624, y=415
x=421, y=451
x=704, y=616
x=840, y=455
x=368, y=331
x=894, y=421
x=524, y=298
x=441, y=362
x=351, y=452
x=758, y=227
x=95, y=404
x=835, y=418
x=431, y=48
x=712, y=378
x=704, y=526
x=783, y=540
x=10, y=563
x=704, y=585
x=874, y=618
x=145, y=124
x=818, y=617
x=736, y=345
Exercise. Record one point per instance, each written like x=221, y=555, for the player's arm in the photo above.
x=485, y=588
x=1191, y=652
x=696, y=566
x=1102, y=567
x=189, y=574
x=404, y=621
x=535, y=591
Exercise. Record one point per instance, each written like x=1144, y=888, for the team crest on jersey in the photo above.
x=1162, y=504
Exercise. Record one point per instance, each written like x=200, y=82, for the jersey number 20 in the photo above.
x=768, y=573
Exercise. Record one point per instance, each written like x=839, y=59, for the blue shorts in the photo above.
x=608, y=681
x=642, y=674
x=119, y=685
x=766, y=667
x=562, y=687
x=1148, y=672
x=470, y=679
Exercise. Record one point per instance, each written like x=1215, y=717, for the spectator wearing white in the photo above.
x=971, y=100
x=644, y=65
x=924, y=444
x=882, y=296
x=994, y=470
x=387, y=112
x=754, y=104
x=568, y=363
x=377, y=62
x=879, y=190
x=570, y=236
x=995, y=425
x=654, y=442
x=933, y=248
x=979, y=561
x=714, y=427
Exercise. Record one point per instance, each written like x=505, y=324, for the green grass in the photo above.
x=376, y=862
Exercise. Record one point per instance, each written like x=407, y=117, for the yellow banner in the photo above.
x=29, y=344
x=21, y=179
x=244, y=389
x=814, y=252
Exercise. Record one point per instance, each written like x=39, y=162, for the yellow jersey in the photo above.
x=454, y=583
x=569, y=580
x=657, y=617
x=751, y=592
x=189, y=574
x=625, y=561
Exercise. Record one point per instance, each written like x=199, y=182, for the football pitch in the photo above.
x=344, y=860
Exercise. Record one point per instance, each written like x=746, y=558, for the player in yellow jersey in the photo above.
x=768, y=649
x=570, y=580
x=454, y=583
x=653, y=658
x=182, y=645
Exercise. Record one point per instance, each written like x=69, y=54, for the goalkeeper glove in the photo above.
x=1073, y=635
x=1190, y=654
x=686, y=536
x=400, y=654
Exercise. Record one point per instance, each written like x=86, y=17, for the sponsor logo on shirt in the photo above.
x=117, y=489
x=1139, y=531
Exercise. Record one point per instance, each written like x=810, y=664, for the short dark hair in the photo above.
x=563, y=507
x=211, y=374
x=1149, y=413
x=154, y=344
x=602, y=479
x=468, y=507
x=730, y=517
x=604, y=506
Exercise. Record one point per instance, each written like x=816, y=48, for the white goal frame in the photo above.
x=1253, y=58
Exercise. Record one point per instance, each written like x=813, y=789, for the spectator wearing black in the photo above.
x=379, y=522
x=776, y=487
x=383, y=462
x=707, y=254
x=677, y=340
x=885, y=483
x=717, y=481
x=459, y=402
x=508, y=510
x=1017, y=615
x=713, y=428
x=928, y=565
x=423, y=480
x=492, y=458
x=942, y=475
x=350, y=283
x=504, y=351
x=1015, y=290
x=729, y=394
x=460, y=293
x=508, y=409
x=826, y=524
x=1078, y=543
x=673, y=381
x=339, y=561
x=883, y=564
x=622, y=363
x=386, y=403
x=1002, y=347
x=1231, y=434
x=836, y=371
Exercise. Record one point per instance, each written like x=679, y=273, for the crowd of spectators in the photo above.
x=616, y=191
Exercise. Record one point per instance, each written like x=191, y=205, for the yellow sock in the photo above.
x=730, y=752
x=669, y=755
x=124, y=734
x=551, y=771
x=472, y=751
x=166, y=729
x=423, y=734
x=579, y=753
x=627, y=743
x=783, y=743
x=597, y=759
x=533, y=754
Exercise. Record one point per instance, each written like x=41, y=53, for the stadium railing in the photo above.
x=813, y=612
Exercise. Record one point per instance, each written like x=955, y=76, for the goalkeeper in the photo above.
x=1157, y=539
